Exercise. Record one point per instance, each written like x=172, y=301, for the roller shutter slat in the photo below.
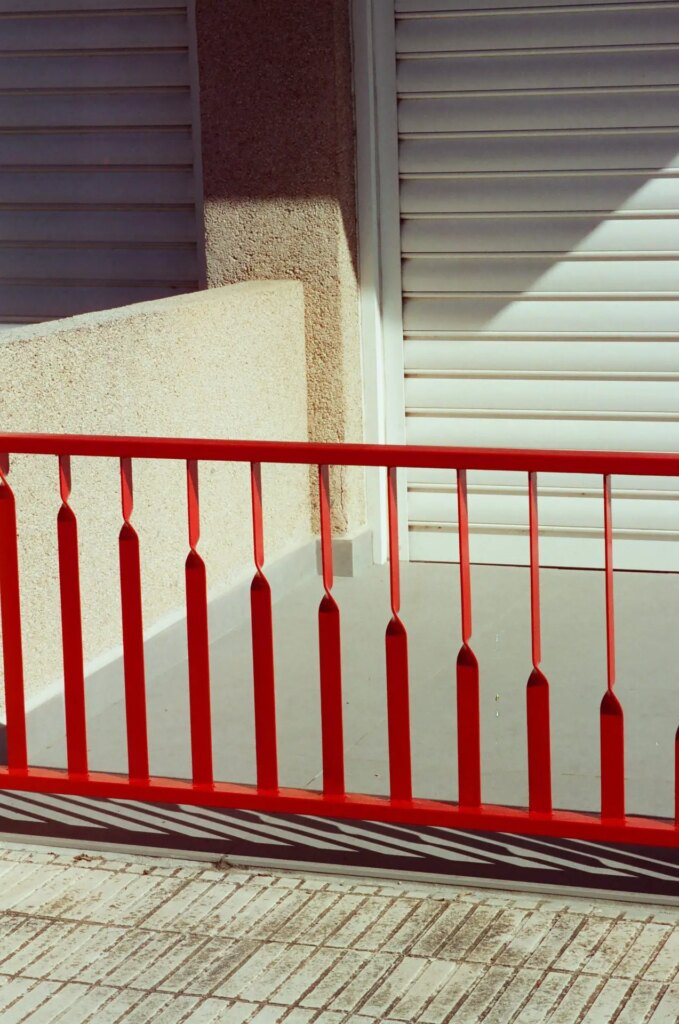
x=48, y=6
x=60, y=226
x=91, y=147
x=122, y=70
x=457, y=6
x=519, y=355
x=97, y=109
x=609, y=193
x=539, y=71
x=544, y=395
x=540, y=275
x=562, y=27
x=528, y=112
x=132, y=264
x=589, y=151
x=511, y=510
x=93, y=31
x=522, y=315
x=544, y=432
x=542, y=234
x=46, y=302
x=97, y=186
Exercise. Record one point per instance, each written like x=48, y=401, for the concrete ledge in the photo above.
x=351, y=556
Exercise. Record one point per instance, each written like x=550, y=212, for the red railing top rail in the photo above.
x=302, y=452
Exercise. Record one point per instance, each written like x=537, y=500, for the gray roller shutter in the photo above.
x=100, y=178
x=539, y=170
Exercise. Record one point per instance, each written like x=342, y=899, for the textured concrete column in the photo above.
x=278, y=157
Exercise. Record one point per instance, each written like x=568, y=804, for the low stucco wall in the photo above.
x=225, y=363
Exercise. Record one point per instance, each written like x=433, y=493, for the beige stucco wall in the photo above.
x=279, y=186
x=225, y=363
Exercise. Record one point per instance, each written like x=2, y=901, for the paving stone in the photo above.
x=543, y=998
x=530, y=933
x=643, y=950
x=642, y=999
x=664, y=965
x=497, y=935
x=421, y=991
x=562, y=931
x=578, y=953
x=385, y=925
x=457, y=988
x=613, y=948
x=306, y=917
x=208, y=1011
x=21, y=932
x=359, y=988
x=218, y=960
x=344, y=970
x=393, y=986
x=465, y=938
x=442, y=930
x=424, y=915
x=313, y=968
x=87, y=1006
x=610, y=998
x=483, y=995
x=93, y=943
x=667, y=1010
x=575, y=999
x=29, y=1002
x=290, y=961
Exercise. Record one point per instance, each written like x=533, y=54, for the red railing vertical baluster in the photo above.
x=468, y=715
x=537, y=690
x=133, y=633
x=330, y=655
x=262, y=648
x=398, y=700
x=198, y=640
x=676, y=778
x=10, y=615
x=612, y=722
x=71, y=626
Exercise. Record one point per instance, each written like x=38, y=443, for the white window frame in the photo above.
x=379, y=251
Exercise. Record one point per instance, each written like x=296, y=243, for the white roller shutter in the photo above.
x=100, y=178
x=539, y=177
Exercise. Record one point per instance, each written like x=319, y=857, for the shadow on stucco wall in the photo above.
x=279, y=183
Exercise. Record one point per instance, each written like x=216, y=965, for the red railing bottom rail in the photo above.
x=491, y=818
x=611, y=824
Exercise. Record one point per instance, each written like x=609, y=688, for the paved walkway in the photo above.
x=110, y=938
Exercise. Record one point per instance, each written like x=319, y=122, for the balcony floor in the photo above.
x=573, y=617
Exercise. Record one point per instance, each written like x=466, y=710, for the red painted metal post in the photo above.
x=330, y=654
x=198, y=640
x=10, y=616
x=133, y=633
x=468, y=714
x=612, y=722
x=537, y=690
x=398, y=699
x=71, y=625
x=262, y=648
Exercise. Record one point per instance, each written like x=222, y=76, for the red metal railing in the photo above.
x=611, y=824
